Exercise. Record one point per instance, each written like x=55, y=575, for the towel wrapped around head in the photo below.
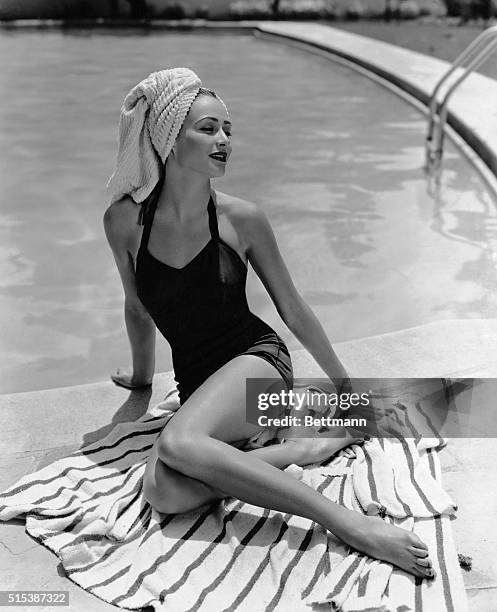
x=151, y=118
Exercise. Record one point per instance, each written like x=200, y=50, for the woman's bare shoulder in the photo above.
x=121, y=222
x=239, y=221
x=238, y=210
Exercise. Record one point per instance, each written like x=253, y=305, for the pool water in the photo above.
x=334, y=159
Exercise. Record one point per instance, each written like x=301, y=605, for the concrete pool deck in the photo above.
x=42, y=426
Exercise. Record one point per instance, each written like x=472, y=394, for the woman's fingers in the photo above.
x=121, y=374
x=118, y=380
x=123, y=379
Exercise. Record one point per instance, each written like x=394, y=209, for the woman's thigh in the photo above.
x=218, y=407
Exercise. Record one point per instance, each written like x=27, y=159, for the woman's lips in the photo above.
x=219, y=157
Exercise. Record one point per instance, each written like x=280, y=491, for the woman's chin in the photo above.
x=217, y=168
x=218, y=173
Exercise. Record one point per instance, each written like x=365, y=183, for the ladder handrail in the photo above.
x=444, y=104
x=477, y=51
x=457, y=63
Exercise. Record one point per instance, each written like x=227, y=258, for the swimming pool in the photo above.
x=334, y=158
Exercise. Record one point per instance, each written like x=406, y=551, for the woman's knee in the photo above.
x=178, y=449
x=165, y=501
x=154, y=494
x=164, y=491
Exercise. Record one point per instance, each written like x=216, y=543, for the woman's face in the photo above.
x=204, y=141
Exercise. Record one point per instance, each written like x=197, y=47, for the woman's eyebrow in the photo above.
x=213, y=119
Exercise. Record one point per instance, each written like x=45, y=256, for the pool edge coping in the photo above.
x=421, y=335
x=103, y=23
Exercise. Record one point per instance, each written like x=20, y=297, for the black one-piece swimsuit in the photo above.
x=201, y=309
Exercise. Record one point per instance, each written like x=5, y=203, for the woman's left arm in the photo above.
x=265, y=257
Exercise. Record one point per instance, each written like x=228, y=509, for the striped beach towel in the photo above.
x=88, y=508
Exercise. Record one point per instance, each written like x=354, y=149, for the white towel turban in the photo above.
x=151, y=118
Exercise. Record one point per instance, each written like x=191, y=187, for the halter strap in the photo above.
x=211, y=208
x=148, y=212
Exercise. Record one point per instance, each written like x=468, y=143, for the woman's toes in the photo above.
x=416, y=541
x=417, y=571
x=418, y=552
x=429, y=572
x=426, y=562
x=423, y=572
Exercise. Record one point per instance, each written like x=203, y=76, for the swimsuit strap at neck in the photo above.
x=148, y=219
x=147, y=214
x=211, y=208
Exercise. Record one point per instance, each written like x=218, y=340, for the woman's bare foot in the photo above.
x=367, y=534
x=375, y=538
x=319, y=448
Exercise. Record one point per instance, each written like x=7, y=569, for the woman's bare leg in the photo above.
x=196, y=443
x=175, y=492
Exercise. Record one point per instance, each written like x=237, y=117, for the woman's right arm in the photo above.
x=123, y=236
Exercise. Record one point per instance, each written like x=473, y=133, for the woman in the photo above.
x=184, y=271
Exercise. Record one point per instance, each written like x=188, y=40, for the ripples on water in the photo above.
x=333, y=158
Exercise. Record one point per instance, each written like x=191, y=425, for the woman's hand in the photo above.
x=123, y=378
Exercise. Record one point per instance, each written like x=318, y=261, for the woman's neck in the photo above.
x=184, y=197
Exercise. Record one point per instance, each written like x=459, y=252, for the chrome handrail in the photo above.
x=475, y=53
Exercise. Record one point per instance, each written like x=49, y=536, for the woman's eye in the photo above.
x=211, y=129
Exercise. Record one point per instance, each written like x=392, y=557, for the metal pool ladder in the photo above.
x=469, y=60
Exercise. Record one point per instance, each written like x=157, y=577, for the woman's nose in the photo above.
x=223, y=138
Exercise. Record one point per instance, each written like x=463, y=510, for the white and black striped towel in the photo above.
x=231, y=556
